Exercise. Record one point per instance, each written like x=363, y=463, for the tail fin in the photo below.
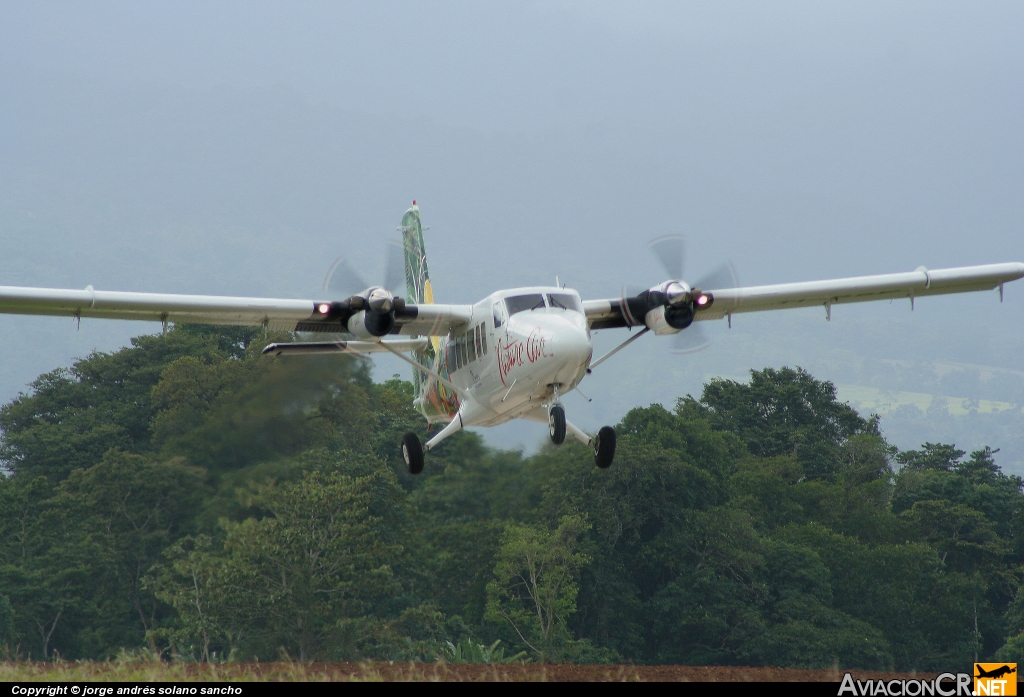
x=417, y=278
x=435, y=400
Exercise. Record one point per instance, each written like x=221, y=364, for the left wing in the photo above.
x=275, y=313
x=604, y=314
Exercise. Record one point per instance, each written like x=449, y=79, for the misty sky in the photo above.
x=240, y=147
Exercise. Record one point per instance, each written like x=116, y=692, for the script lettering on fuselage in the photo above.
x=535, y=346
x=512, y=352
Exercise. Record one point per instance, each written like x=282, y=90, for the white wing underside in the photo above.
x=440, y=320
x=914, y=284
x=274, y=313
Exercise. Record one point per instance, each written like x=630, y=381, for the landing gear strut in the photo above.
x=412, y=453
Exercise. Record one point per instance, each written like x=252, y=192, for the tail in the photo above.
x=435, y=401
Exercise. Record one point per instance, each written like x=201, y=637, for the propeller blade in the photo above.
x=394, y=268
x=670, y=250
x=691, y=340
x=342, y=281
x=721, y=278
x=631, y=291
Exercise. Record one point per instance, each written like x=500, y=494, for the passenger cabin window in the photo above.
x=463, y=350
x=522, y=303
x=564, y=301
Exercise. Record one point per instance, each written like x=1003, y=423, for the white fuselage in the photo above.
x=521, y=346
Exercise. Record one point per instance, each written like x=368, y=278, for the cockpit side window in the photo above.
x=524, y=303
x=564, y=301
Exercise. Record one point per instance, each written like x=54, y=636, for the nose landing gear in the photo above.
x=556, y=418
x=556, y=424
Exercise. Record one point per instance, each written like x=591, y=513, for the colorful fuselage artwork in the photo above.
x=440, y=401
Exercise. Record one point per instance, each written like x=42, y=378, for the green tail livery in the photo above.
x=435, y=400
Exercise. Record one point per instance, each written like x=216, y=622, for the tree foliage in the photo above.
x=187, y=496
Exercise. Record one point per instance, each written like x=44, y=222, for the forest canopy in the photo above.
x=187, y=498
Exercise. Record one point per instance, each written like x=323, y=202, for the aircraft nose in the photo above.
x=570, y=346
x=573, y=343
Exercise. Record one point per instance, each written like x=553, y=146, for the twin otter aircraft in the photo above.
x=515, y=353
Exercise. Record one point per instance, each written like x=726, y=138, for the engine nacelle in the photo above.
x=669, y=319
x=369, y=325
x=376, y=313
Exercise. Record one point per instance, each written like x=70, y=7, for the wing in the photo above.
x=275, y=313
x=603, y=314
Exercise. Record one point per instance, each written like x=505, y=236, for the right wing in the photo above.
x=275, y=313
x=606, y=314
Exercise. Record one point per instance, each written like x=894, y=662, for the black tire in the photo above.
x=556, y=425
x=604, y=447
x=412, y=453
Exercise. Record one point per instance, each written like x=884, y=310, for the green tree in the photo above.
x=51, y=566
x=535, y=582
x=308, y=578
x=74, y=416
x=137, y=507
x=785, y=411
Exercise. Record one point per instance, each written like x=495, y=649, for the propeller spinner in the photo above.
x=669, y=307
x=368, y=310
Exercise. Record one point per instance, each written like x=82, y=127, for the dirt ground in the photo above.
x=429, y=672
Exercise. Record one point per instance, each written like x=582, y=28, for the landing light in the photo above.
x=323, y=308
x=702, y=300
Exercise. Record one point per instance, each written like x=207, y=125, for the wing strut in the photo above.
x=423, y=368
x=618, y=348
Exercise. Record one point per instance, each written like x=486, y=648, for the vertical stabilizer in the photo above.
x=417, y=278
x=435, y=401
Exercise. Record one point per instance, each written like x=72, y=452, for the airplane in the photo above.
x=994, y=673
x=512, y=355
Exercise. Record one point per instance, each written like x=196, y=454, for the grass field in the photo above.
x=873, y=400
x=428, y=672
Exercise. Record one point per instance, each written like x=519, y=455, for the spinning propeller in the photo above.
x=343, y=281
x=366, y=310
x=671, y=305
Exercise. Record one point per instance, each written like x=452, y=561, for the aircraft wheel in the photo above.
x=604, y=447
x=556, y=425
x=412, y=453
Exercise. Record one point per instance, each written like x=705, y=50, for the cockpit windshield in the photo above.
x=564, y=301
x=522, y=303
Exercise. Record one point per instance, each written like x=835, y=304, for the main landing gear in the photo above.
x=413, y=450
x=412, y=453
x=604, y=447
x=558, y=428
x=603, y=443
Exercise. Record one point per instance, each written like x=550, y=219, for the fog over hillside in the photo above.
x=238, y=148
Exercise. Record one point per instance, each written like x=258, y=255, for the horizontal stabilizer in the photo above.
x=356, y=347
